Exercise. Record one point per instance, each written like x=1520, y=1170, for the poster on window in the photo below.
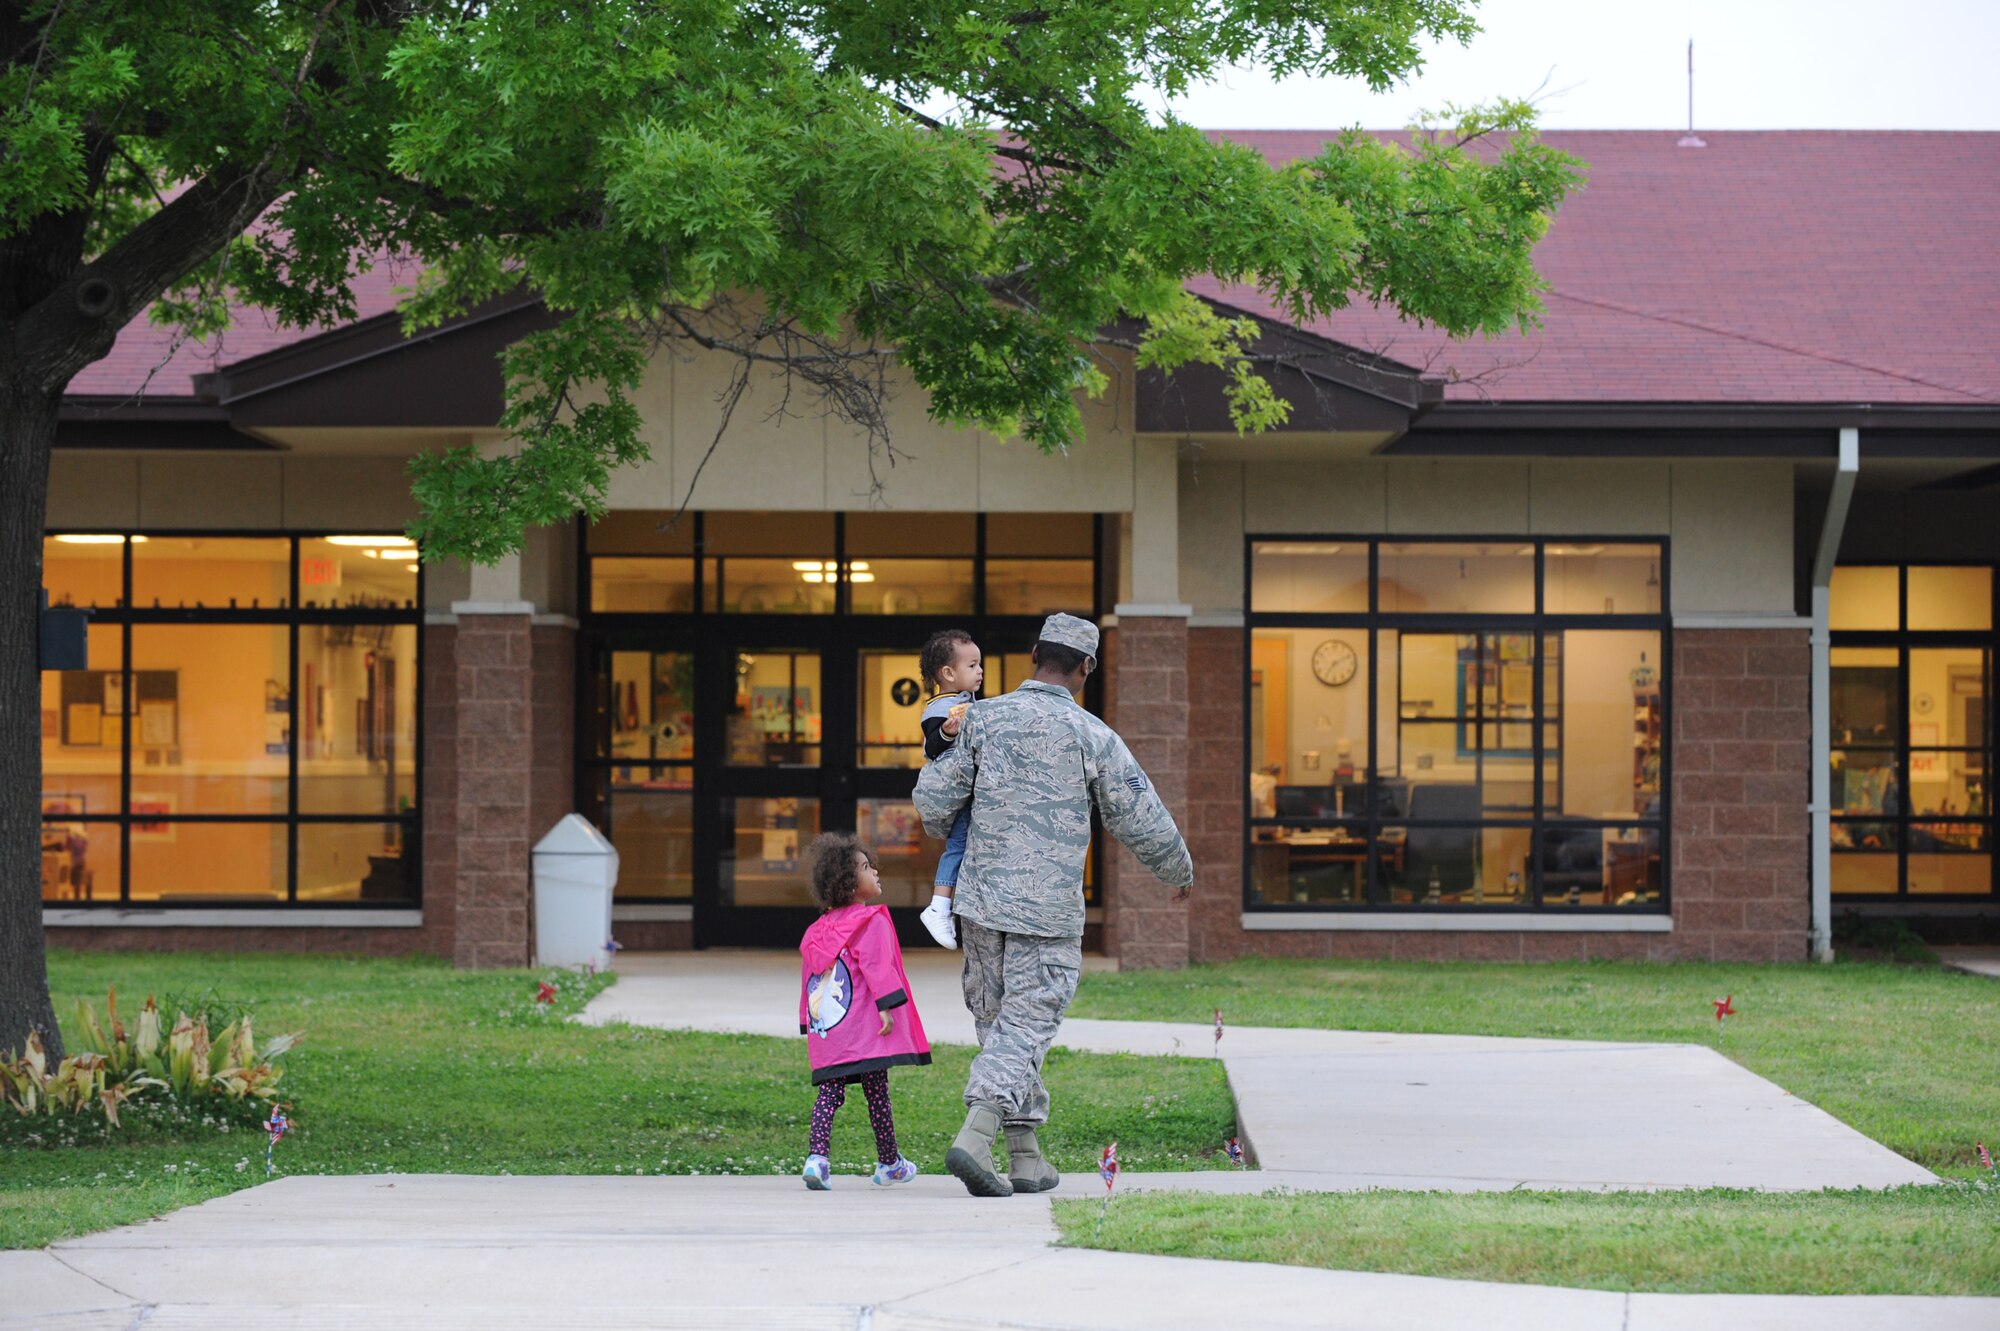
x=894, y=829
x=83, y=725
x=1925, y=766
x=277, y=719
x=147, y=812
x=158, y=726
x=781, y=835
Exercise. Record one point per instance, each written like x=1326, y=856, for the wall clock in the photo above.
x=1334, y=662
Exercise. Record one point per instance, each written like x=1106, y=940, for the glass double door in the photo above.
x=719, y=757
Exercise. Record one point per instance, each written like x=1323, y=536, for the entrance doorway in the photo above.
x=714, y=746
x=728, y=755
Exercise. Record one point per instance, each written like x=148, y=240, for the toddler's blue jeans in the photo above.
x=954, y=850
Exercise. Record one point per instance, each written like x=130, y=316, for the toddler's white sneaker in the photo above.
x=937, y=918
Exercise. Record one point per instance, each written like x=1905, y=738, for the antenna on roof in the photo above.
x=1691, y=139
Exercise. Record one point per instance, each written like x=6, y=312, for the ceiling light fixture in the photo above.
x=375, y=542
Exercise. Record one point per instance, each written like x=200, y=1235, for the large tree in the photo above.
x=980, y=187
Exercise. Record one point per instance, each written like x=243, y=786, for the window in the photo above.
x=950, y=565
x=1039, y=563
x=769, y=563
x=911, y=563
x=1464, y=724
x=1910, y=708
x=643, y=751
x=246, y=732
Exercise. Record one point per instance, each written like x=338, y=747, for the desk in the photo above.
x=1630, y=866
x=1288, y=858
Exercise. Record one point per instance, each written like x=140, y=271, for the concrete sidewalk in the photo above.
x=1972, y=960
x=1336, y=1110
x=451, y=1252
x=1324, y=1109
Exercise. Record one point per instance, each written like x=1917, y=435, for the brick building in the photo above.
x=1666, y=631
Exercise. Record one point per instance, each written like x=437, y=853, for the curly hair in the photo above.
x=938, y=652
x=834, y=880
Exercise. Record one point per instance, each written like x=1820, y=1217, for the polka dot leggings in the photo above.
x=833, y=1094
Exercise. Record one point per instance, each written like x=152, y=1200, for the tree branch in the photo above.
x=78, y=321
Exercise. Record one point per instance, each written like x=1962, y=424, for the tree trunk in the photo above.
x=27, y=433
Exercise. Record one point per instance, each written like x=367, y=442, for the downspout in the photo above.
x=1821, y=807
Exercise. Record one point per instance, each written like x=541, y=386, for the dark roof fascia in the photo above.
x=95, y=407
x=1700, y=429
x=339, y=348
x=148, y=423
x=1331, y=387
x=1338, y=363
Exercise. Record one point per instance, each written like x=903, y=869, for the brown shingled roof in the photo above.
x=1777, y=267
x=1793, y=266
x=145, y=359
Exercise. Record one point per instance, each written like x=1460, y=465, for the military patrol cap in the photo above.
x=1069, y=631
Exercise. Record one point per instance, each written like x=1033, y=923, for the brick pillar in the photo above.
x=1217, y=771
x=1741, y=770
x=494, y=730
x=1146, y=697
x=438, y=800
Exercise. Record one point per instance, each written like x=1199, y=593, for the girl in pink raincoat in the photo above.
x=855, y=1008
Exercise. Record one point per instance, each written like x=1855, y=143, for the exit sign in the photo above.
x=319, y=572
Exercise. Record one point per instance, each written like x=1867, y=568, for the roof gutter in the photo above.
x=1820, y=810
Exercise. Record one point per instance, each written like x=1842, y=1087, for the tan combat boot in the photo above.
x=1026, y=1169
x=970, y=1158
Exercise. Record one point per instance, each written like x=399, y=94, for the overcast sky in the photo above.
x=1622, y=64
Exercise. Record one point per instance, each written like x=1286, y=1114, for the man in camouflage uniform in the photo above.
x=1031, y=764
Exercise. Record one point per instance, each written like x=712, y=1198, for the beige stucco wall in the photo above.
x=218, y=491
x=801, y=459
x=1730, y=523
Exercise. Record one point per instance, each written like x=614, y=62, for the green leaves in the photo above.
x=698, y=197
x=47, y=102
x=638, y=164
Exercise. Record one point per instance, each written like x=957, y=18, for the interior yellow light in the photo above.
x=862, y=577
x=76, y=538
x=377, y=542
x=859, y=566
x=813, y=577
x=806, y=565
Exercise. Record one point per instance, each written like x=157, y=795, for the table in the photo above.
x=1287, y=855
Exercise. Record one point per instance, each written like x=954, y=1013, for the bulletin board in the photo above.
x=94, y=706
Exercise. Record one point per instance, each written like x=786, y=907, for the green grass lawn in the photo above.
x=1909, y=1055
x=414, y=1067
x=1914, y=1240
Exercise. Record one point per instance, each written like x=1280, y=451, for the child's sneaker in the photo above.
x=817, y=1173
x=937, y=919
x=889, y=1175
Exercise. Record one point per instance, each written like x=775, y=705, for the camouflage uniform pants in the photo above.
x=1017, y=987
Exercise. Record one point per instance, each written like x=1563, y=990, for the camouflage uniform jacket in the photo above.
x=1031, y=763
